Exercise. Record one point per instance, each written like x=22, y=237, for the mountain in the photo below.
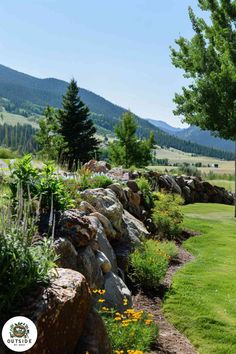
x=195, y=135
x=164, y=126
x=198, y=136
x=26, y=95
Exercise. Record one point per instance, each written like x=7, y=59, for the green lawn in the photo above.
x=202, y=301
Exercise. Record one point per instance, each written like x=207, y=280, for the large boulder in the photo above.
x=94, y=339
x=106, y=203
x=97, y=166
x=59, y=312
x=76, y=227
x=168, y=182
x=89, y=266
x=117, y=295
x=67, y=254
x=101, y=243
x=136, y=229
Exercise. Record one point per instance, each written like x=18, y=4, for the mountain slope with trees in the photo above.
x=27, y=95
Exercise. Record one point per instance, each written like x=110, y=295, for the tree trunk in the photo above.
x=235, y=181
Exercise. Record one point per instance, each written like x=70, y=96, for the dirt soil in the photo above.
x=170, y=340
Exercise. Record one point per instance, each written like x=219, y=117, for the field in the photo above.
x=176, y=156
x=202, y=301
x=13, y=119
x=228, y=185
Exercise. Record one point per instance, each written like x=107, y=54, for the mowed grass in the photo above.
x=202, y=300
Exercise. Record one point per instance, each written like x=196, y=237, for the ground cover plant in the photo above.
x=150, y=262
x=130, y=332
x=201, y=302
x=167, y=214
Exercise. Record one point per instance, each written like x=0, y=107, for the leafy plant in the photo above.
x=146, y=189
x=52, y=191
x=149, y=264
x=167, y=215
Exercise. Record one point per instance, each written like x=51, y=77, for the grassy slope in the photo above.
x=13, y=119
x=202, y=301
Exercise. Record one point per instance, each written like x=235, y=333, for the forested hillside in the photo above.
x=27, y=95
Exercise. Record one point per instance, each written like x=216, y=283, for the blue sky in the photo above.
x=117, y=49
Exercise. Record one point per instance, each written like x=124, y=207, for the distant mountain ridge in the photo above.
x=195, y=135
x=27, y=94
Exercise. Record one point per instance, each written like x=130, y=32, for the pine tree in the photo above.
x=209, y=60
x=77, y=128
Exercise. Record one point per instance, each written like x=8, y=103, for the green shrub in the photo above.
x=87, y=179
x=52, y=191
x=23, y=264
x=6, y=153
x=149, y=264
x=189, y=171
x=167, y=215
x=130, y=332
x=169, y=248
x=146, y=189
x=28, y=182
x=100, y=181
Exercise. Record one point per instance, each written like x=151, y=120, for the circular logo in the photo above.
x=19, y=334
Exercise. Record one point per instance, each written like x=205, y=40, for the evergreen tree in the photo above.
x=76, y=128
x=129, y=150
x=209, y=60
x=48, y=137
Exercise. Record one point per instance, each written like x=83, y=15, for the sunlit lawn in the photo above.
x=202, y=302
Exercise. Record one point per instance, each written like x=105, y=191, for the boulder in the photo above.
x=168, y=182
x=116, y=293
x=86, y=208
x=67, y=254
x=133, y=186
x=136, y=229
x=97, y=166
x=103, y=262
x=59, y=312
x=76, y=227
x=90, y=268
x=101, y=242
x=94, y=339
x=108, y=228
x=106, y=203
x=120, y=193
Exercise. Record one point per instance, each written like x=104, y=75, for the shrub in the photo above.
x=167, y=215
x=23, y=263
x=100, y=181
x=169, y=248
x=88, y=179
x=145, y=188
x=6, y=153
x=189, y=171
x=149, y=264
x=52, y=191
x=28, y=182
x=130, y=332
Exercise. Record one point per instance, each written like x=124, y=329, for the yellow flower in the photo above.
x=148, y=322
x=118, y=318
x=101, y=300
x=119, y=351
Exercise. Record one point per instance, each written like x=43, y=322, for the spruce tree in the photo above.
x=76, y=128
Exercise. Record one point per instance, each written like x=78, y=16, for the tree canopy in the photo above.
x=128, y=150
x=209, y=60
